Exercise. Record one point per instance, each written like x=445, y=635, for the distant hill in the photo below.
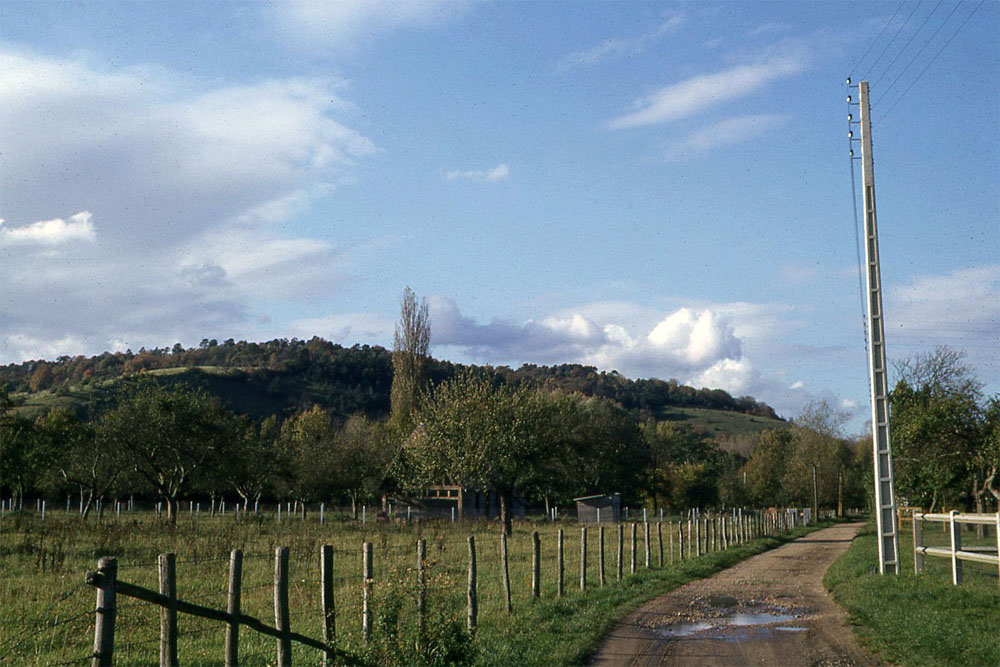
x=284, y=376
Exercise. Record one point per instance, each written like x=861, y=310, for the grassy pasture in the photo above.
x=46, y=616
x=920, y=619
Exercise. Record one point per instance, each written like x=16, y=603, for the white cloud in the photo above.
x=619, y=46
x=193, y=185
x=501, y=172
x=50, y=232
x=344, y=23
x=725, y=132
x=696, y=94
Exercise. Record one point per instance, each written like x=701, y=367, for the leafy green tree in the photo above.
x=306, y=447
x=257, y=460
x=363, y=452
x=19, y=460
x=165, y=435
x=480, y=436
x=937, y=427
x=77, y=459
x=765, y=469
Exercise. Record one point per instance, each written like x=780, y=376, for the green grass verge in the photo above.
x=567, y=631
x=917, y=620
x=48, y=607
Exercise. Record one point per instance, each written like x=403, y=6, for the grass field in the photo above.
x=920, y=620
x=47, y=615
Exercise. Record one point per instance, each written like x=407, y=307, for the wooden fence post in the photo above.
x=104, y=622
x=646, y=544
x=583, y=560
x=282, y=623
x=421, y=593
x=632, y=548
x=168, y=614
x=600, y=558
x=505, y=572
x=697, y=536
x=561, y=563
x=473, y=603
x=233, y=608
x=659, y=540
x=327, y=601
x=366, y=600
x=621, y=549
x=918, y=541
x=536, y=566
x=956, y=545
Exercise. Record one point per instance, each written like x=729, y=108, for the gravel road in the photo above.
x=771, y=609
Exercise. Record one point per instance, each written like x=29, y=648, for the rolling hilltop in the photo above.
x=285, y=376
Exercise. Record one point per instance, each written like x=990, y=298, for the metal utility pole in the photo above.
x=885, y=495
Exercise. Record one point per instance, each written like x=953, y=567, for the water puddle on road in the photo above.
x=739, y=626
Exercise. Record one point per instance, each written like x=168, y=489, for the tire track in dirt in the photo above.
x=770, y=609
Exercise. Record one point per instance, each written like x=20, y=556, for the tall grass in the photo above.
x=919, y=619
x=46, y=615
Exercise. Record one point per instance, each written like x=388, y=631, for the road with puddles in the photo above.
x=771, y=609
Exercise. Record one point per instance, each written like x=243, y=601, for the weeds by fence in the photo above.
x=380, y=602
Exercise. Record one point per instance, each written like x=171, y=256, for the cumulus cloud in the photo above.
x=622, y=46
x=501, y=172
x=50, y=232
x=186, y=191
x=725, y=132
x=699, y=93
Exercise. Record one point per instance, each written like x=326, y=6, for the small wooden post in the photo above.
x=327, y=601
x=366, y=600
x=659, y=540
x=421, y=592
x=282, y=623
x=632, y=549
x=956, y=545
x=583, y=560
x=918, y=541
x=104, y=621
x=505, y=572
x=600, y=558
x=646, y=544
x=697, y=537
x=561, y=562
x=621, y=549
x=536, y=566
x=473, y=603
x=680, y=539
x=722, y=532
x=168, y=613
x=233, y=608
x=670, y=533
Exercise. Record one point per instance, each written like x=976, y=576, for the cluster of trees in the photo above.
x=945, y=434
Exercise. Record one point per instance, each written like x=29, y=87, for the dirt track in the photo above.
x=768, y=610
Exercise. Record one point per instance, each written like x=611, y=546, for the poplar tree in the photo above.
x=410, y=348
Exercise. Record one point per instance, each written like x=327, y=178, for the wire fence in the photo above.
x=58, y=627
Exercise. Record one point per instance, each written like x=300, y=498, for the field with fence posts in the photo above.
x=418, y=605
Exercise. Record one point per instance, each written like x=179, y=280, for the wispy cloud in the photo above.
x=725, y=132
x=621, y=46
x=696, y=94
x=501, y=172
x=345, y=23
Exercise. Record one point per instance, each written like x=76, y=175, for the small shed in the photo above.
x=599, y=509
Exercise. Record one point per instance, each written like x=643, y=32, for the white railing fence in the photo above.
x=955, y=551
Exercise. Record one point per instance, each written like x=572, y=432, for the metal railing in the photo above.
x=955, y=551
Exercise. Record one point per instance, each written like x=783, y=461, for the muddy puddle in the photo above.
x=729, y=619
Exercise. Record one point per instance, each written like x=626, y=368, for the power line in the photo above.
x=878, y=37
x=928, y=65
x=908, y=42
x=891, y=41
x=921, y=50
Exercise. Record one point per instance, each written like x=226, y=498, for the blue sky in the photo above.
x=661, y=189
